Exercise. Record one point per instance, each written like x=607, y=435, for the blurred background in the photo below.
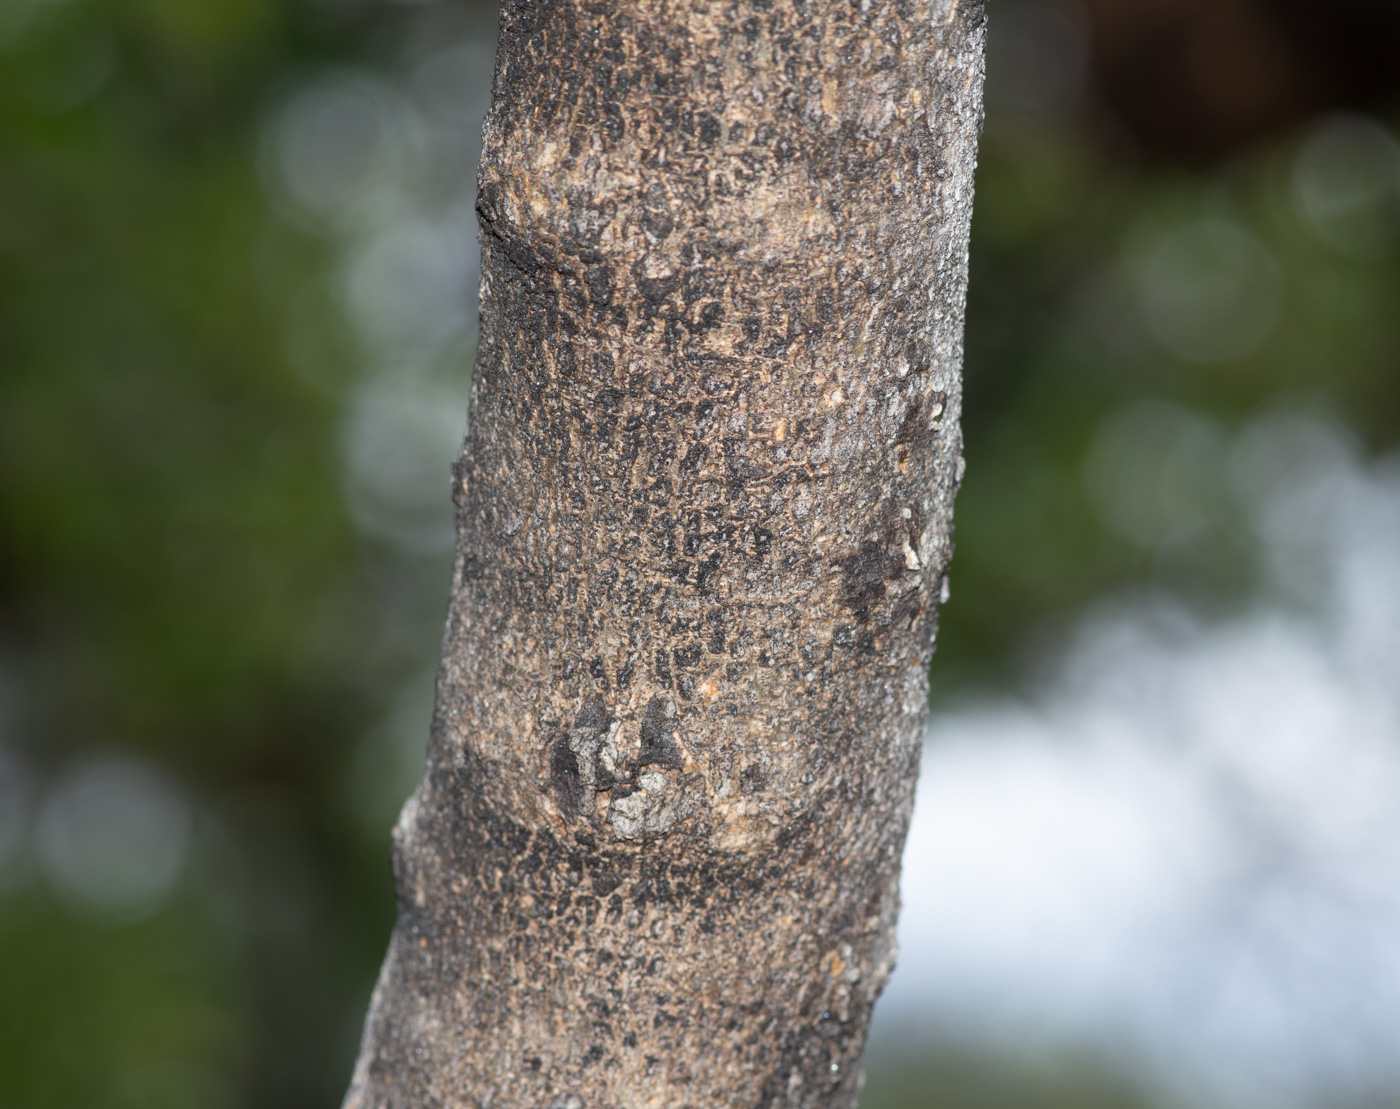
x=1156, y=859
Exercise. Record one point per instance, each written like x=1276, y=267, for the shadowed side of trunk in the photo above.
x=704, y=516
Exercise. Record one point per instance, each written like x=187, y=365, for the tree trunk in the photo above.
x=704, y=517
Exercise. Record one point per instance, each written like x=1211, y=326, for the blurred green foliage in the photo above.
x=962, y=1079
x=1068, y=246
x=180, y=581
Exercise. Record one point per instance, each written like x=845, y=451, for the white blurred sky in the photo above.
x=1185, y=850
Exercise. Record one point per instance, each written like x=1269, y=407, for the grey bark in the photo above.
x=704, y=519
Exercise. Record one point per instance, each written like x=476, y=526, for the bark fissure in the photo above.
x=704, y=518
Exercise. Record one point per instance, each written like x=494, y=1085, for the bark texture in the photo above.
x=704, y=518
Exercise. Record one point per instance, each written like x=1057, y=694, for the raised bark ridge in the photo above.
x=704, y=516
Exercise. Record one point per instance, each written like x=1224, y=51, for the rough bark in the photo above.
x=704, y=518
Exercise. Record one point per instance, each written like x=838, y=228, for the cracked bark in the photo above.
x=704, y=521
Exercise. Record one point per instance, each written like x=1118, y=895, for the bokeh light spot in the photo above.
x=1209, y=290
x=113, y=836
